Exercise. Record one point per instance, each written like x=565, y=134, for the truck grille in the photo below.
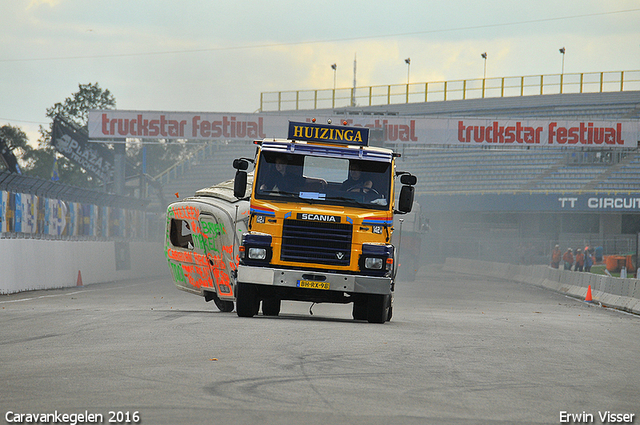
x=316, y=242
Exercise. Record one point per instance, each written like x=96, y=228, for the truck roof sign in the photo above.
x=324, y=133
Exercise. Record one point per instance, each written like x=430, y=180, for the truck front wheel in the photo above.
x=271, y=306
x=360, y=309
x=378, y=308
x=247, y=301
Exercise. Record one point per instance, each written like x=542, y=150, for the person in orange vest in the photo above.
x=556, y=255
x=579, y=261
x=568, y=259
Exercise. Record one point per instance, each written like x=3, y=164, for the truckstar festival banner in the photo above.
x=114, y=124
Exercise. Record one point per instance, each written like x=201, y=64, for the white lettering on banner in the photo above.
x=604, y=203
x=84, y=156
x=614, y=203
x=572, y=201
x=412, y=130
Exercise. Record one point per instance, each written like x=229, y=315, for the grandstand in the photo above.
x=208, y=165
x=489, y=202
x=507, y=169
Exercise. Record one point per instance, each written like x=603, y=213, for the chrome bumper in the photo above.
x=338, y=282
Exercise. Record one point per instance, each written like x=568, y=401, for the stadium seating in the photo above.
x=463, y=170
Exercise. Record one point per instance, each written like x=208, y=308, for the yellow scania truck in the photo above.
x=311, y=219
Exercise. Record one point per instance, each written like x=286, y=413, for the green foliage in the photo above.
x=75, y=109
x=16, y=141
x=39, y=162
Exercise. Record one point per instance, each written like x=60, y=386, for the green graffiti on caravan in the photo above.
x=176, y=270
x=212, y=231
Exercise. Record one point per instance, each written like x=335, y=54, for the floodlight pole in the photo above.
x=562, y=51
x=484, y=73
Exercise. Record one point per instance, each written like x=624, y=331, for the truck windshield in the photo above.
x=319, y=179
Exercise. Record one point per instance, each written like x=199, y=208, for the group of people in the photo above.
x=582, y=261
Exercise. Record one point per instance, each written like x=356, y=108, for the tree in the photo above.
x=39, y=162
x=74, y=109
x=16, y=140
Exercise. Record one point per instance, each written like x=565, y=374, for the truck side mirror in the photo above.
x=240, y=184
x=405, y=202
x=408, y=179
x=240, y=164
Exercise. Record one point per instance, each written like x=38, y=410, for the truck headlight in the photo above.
x=376, y=259
x=373, y=263
x=257, y=253
x=256, y=247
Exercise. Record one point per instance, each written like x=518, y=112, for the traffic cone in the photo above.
x=588, y=297
x=79, y=282
x=177, y=194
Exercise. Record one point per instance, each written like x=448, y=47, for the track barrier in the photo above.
x=623, y=294
x=33, y=264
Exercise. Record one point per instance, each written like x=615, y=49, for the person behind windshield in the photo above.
x=356, y=181
x=280, y=180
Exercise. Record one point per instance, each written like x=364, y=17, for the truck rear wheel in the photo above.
x=271, y=306
x=247, y=301
x=378, y=308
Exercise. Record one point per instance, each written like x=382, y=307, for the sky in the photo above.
x=218, y=56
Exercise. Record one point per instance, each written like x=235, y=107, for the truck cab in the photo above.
x=320, y=223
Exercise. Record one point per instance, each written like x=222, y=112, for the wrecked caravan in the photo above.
x=203, y=233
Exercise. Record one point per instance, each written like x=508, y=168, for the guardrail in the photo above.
x=623, y=294
x=478, y=88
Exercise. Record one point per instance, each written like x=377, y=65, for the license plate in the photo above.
x=312, y=284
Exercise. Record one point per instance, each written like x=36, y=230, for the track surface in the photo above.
x=460, y=350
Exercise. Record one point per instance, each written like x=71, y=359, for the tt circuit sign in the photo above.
x=115, y=124
x=521, y=202
x=600, y=203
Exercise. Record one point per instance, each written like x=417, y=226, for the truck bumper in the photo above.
x=291, y=279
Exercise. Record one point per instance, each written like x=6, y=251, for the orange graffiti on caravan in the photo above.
x=185, y=257
x=186, y=212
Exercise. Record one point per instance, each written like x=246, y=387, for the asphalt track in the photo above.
x=460, y=349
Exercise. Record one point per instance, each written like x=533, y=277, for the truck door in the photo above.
x=218, y=242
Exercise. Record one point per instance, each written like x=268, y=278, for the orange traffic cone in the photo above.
x=79, y=282
x=588, y=297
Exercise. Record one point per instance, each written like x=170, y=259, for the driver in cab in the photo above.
x=356, y=181
x=281, y=179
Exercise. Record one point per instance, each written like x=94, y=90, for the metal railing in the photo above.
x=179, y=168
x=479, y=88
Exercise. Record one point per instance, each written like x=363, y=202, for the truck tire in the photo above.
x=359, y=310
x=378, y=308
x=271, y=306
x=247, y=301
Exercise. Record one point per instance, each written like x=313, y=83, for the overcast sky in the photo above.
x=218, y=56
